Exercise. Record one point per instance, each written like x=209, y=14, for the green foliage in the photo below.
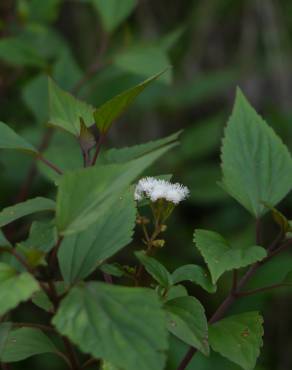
x=53, y=266
x=42, y=236
x=38, y=204
x=111, y=110
x=144, y=61
x=16, y=51
x=186, y=320
x=239, y=338
x=155, y=269
x=133, y=152
x=14, y=288
x=113, y=12
x=134, y=315
x=85, y=195
x=65, y=110
x=10, y=140
x=3, y=241
x=220, y=256
x=253, y=160
x=80, y=253
x=26, y=342
x=196, y=274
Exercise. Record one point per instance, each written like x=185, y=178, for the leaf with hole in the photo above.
x=238, y=338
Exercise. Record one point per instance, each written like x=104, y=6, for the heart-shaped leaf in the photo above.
x=239, y=338
x=220, y=256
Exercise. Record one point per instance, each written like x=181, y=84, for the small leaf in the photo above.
x=113, y=269
x=155, y=269
x=80, y=254
x=133, y=152
x=114, y=108
x=113, y=12
x=24, y=343
x=14, y=288
x=195, y=274
x=86, y=138
x=42, y=236
x=238, y=338
x=11, y=140
x=186, y=320
x=84, y=196
x=65, y=110
x=253, y=160
x=124, y=326
x=220, y=256
x=28, y=207
x=173, y=292
x=279, y=218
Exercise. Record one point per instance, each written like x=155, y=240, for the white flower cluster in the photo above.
x=155, y=189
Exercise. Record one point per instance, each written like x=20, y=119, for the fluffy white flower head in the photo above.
x=155, y=189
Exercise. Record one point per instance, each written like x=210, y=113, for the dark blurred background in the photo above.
x=212, y=46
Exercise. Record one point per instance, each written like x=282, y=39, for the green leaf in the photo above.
x=85, y=195
x=113, y=269
x=115, y=107
x=144, y=60
x=113, y=12
x=9, y=139
x=125, y=326
x=3, y=241
x=238, y=338
x=4, y=332
x=26, y=342
x=253, y=160
x=155, y=269
x=41, y=299
x=133, y=152
x=65, y=110
x=186, y=320
x=173, y=292
x=38, y=204
x=80, y=254
x=14, y=288
x=17, y=52
x=42, y=236
x=220, y=256
x=108, y=366
x=195, y=274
